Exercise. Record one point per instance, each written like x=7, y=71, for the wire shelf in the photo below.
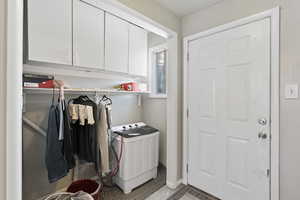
x=82, y=90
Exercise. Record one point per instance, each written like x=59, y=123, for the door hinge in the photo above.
x=268, y=172
x=188, y=56
x=187, y=168
x=187, y=113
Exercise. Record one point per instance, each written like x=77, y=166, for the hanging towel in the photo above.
x=102, y=130
x=89, y=115
x=86, y=113
x=61, y=120
x=74, y=112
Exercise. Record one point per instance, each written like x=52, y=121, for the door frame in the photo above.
x=274, y=15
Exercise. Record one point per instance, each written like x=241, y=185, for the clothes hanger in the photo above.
x=84, y=98
x=105, y=98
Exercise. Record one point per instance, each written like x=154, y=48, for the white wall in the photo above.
x=154, y=114
x=229, y=10
x=2, y=99
x=156, y=12
x=155, y=110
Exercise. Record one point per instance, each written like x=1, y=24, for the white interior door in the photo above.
x=229, y=106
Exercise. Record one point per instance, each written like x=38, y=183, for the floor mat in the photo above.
x=191, y=193
x=139, y=193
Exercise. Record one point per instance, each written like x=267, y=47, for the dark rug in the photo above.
x=187, y=192
x=139, y=193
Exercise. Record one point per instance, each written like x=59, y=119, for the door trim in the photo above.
x=274, y=15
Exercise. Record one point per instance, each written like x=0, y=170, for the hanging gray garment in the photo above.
x=61, y=120
x=102, y=136
x=109, y=116
x=55, y=161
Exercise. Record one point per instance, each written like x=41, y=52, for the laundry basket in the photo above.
x=89, y=186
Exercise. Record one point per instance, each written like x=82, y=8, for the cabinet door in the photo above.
x=116, y=44
x=138, y=51
x=88, y=30
x=50, y=31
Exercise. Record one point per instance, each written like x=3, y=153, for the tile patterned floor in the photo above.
x=163, y=194
x=188, y=196
x=139, y=193
x=181, y=193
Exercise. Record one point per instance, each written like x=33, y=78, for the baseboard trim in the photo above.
x=174, y=185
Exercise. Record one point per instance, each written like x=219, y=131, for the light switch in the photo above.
x=291, y=91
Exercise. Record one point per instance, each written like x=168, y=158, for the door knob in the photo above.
x=262, y=121
x=263, y=135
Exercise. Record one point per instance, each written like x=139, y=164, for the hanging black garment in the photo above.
x=67, y=141
x=84, y=139
x=55, y=161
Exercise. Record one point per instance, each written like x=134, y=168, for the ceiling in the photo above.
x=186, y=7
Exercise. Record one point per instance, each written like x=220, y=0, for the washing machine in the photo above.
x=140, y=154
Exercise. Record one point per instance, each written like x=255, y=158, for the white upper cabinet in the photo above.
x=50, y=31
x=74, y=32
x=88, y=35
x=138, y=51
x=116, y=44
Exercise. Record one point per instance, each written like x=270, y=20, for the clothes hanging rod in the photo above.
x=80, y=91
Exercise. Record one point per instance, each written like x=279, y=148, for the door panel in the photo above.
x=138, y=51
x=203, y=123
x=116, y=44
x=229, y=90
x=237, y=78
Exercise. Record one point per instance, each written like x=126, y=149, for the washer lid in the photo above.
x=135, y=132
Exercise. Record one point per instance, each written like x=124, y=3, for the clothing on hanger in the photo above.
x=67, y=142
x=82, y=129
x=61, y=120
x=59, y=152
x=109, y=116
x=102, y=137
x=55, y=161
x=82, y=113
x=84, y=139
